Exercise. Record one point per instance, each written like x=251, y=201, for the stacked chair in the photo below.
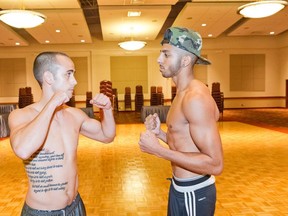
x=139, y=98
x=173, y=92
x=25, y=97
x=115, y=99
x=218, y=96
x=153, y=96
x=156, y=96
x=127, y=98
x=160, y=96
x=106, y=88
x=88, y=98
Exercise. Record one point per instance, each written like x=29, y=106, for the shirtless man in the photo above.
x=45, y=136
x=195, y=149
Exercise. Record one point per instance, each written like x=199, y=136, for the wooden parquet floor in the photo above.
x=117, y=179
x=271, y=118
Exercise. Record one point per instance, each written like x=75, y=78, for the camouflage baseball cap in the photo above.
x=185, y=39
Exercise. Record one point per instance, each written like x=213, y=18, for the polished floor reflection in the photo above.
x=118, y=179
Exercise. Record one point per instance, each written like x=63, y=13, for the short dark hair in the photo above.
x=45, y=61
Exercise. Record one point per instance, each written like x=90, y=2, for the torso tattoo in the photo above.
x=40, y=168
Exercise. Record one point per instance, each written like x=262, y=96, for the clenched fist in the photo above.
x=101, y=101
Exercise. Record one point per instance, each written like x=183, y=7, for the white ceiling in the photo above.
x=219, y=16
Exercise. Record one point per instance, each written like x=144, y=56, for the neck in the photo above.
x=183, y=79
x=46, y=96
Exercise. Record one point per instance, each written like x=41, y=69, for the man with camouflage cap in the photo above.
x=195, y=148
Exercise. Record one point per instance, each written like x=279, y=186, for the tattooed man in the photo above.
x=45, y=136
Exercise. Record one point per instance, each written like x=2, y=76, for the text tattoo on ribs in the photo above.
x=37, y=167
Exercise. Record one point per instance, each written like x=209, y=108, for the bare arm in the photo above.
x=105, y=130
x=29, y=128
x=203, y=129
x=205, y=134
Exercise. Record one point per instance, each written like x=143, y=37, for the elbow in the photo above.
x=20, y=151
x=21, y=154
x=217, y=170
x=109, y=139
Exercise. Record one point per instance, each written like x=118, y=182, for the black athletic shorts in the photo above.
x=196, y=197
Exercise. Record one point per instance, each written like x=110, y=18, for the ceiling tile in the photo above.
x=71, y=23
x=9, y=37
x=117, y=26
x=217, y=17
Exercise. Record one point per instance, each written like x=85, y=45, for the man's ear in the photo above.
x=48, y=77
x=186, y=60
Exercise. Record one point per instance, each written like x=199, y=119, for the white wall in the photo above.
x=217, y=50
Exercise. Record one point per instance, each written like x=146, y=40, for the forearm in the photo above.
x=162, y=135
x=195, y=162
x=108, y=125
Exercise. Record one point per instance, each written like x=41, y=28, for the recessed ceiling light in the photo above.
x=82, y=41
x=134, y=13
x=210, y=35
x=47, y=41
x=204, y=24
x=57, y=30
x=272, y=33
x=17, y=43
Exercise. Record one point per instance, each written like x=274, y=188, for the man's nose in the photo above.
x=159, y=60
x=74, y=81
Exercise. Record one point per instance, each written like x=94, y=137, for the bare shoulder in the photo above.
x=198, y=101
x=197, y=92
x=22, y=115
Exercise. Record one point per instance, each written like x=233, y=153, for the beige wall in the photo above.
x=217, y=51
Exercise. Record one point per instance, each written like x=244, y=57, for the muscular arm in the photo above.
x=200, y=113
x=105, y=130
x=29, y=130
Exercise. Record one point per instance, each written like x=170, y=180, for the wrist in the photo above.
x=161, y=134
x=108, y=108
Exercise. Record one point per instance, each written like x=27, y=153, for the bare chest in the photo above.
x=175, y=119
x=63, y=133
x=178, y=129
